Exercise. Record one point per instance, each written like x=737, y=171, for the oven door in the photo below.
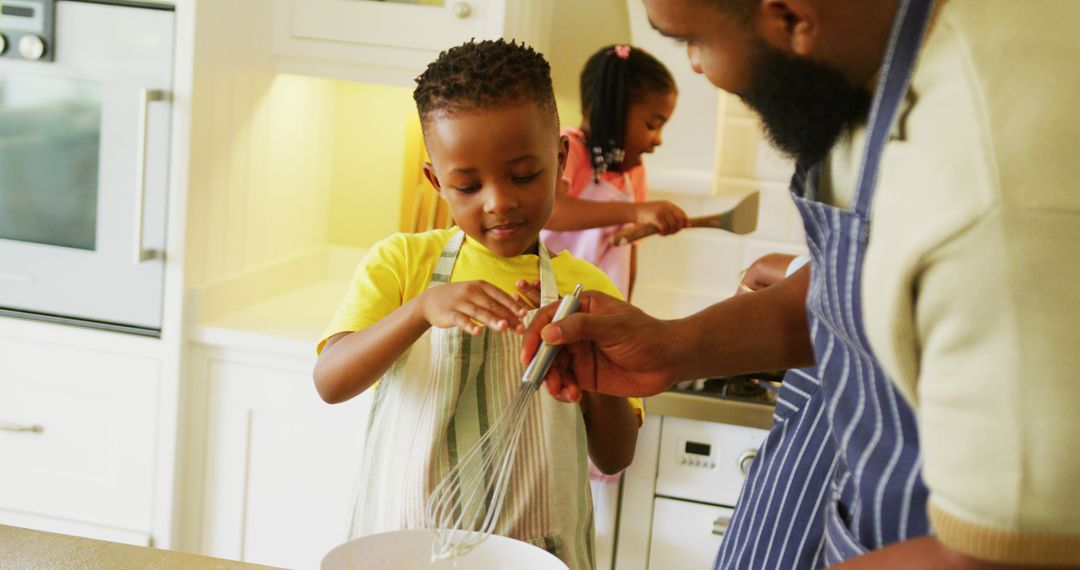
x=84, y=149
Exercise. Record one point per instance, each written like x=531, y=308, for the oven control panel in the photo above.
x=705, y=461
x=27, y=30
x=698, y=454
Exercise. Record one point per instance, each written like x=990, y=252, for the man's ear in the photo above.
x=429, y=173
x=792, y=26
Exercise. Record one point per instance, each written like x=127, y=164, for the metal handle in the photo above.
x=739, y=220
x=146, y=96
x=719, y=526
x=746, y=460
x=21, y=428
x=541, y=361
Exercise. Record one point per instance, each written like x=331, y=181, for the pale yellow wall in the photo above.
x=369, y=145
x=259, y=168
x=579, y=28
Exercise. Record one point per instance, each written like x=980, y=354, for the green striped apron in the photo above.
x=437, y=399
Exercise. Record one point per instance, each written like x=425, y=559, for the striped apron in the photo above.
x=839, y=474
x=436, y=401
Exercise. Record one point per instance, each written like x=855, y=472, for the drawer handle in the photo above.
x=719, y=526
x=21, y=428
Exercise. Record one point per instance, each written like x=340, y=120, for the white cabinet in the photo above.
x=78, y=428
x=280, y=464
x=392, y=41
x=685, y=534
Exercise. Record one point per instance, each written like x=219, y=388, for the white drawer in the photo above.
x=93, y=460
x=686, y=535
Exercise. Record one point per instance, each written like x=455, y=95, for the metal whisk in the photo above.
x=464, y=507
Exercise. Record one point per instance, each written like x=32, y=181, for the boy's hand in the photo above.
x=471, y=305
x=530, y=292
x=667, y=217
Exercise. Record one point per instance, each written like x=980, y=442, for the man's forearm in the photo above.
x=767, y=330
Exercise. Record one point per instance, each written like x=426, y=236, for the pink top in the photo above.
x=594, y=245
x=579, y=173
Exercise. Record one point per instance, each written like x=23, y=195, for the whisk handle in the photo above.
x=541, y=361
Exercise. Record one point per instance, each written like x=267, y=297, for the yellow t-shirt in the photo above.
x=398, y=269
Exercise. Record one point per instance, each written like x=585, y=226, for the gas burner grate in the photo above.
x=760, y=388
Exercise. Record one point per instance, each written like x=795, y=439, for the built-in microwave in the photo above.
x=85, y=107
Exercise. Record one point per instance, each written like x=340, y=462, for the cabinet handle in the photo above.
x=146, y=96
x=462, y=10
x=719, y=526
x=21, y=428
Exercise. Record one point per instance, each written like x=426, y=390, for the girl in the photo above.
x=627, y=96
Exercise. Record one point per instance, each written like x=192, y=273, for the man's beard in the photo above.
x=804, y=105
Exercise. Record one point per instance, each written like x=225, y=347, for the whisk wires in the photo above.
x=464, y=508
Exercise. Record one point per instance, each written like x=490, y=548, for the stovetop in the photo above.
x=758, y=388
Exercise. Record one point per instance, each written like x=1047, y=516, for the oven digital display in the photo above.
x=17, y=11
x=698, y=448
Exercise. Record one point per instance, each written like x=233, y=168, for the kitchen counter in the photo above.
x=709, y=409
x=33, y=549
x=288, y=324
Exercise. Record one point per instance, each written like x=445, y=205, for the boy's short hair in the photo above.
x=485, y=75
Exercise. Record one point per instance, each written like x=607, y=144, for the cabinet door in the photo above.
x=431, y=25
x=77, y=438
x=686, y=535
x=392, y=41
x=377, y=41
x=281, y=465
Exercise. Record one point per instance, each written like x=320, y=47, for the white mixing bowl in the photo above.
x=411, y=549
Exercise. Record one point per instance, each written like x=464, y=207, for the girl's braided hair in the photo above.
x=485, y=75
x=614, y=78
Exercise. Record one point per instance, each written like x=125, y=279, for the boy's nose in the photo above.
x=500, y=200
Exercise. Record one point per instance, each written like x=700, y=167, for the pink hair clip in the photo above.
x=623, y=51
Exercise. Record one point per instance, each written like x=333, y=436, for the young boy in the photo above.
x=435, y=315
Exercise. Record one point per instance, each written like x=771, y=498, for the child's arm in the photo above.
x=572, y=214
x=612, y=429
x=352, y=361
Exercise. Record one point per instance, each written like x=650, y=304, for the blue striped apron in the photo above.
x=839, y=473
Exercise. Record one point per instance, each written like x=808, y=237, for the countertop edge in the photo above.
x=709, y=409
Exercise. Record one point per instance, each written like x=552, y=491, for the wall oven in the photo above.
x=84, y=155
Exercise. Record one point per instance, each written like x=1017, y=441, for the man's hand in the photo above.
x=609, y=346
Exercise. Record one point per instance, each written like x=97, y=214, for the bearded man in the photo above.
x=937, y=182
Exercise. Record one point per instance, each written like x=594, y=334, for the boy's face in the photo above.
x=497, y=170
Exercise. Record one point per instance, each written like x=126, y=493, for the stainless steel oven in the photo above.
x=85, y=101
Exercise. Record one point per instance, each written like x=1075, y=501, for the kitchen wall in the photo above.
x=284, y=166
x=370, y=130
x=261, y=155
x=579, y=29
